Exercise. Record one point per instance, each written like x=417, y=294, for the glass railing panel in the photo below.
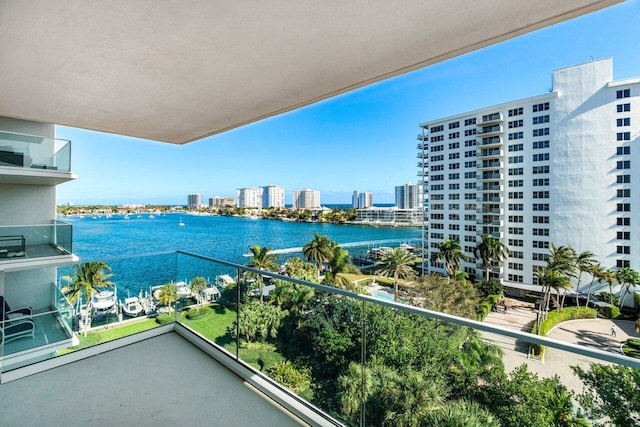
x=34, y=152
x=21, y=242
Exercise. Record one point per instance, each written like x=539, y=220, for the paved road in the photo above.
x=594, y=333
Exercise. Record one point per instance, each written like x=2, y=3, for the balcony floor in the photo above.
x=160, y=381
x=35, y=251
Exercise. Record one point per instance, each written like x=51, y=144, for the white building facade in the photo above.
x=194, y=201
x=550, y=169
x=272, y=196
x=306, y=199
x=248, y=198
x=409, y=196
x=361, y=200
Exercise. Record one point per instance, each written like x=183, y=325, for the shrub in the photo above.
x=489, y=287
x=296, y=379
x=568, y=313
x=384, y=281
x=195, y=313
x=610, y=298
x=610, y=312
x=634, y=342
x=486, y=305
x=164, y=319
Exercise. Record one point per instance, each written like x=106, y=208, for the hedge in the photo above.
x=554, y=318
x=610, y=312
x=195, y=313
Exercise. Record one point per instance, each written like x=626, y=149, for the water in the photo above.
x=224, y=238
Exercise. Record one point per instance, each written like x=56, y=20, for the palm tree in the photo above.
x=168, y=294
x=318, y=250
x=490, y=250
x=397, y=263
x=86, y=281
x=451, y=253
x=262, y=259
x=597, y=271
x=562, y=261
x=584, y=261
x=197, y=285
x=627, y=277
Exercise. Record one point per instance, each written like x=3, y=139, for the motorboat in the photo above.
x=210, y=294
x=224, y=280
x=132, y=306
x=103, y=302
x=182, y=290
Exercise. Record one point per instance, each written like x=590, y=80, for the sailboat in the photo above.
x=181, y=224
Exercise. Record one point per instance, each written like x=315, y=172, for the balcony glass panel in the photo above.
x=34, y=152
x=365, y=359
x=22, y=242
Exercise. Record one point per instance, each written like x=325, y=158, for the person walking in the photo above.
x=614, y=332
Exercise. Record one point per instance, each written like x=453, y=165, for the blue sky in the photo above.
x=364, y=140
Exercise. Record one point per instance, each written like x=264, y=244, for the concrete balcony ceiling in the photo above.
x=178, y=70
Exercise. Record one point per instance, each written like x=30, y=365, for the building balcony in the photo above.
x=490, y=176
x=423, y=155
x=491, y=130
x=41, y=322
x=423, y=164
x=209, y=355
x=487, y=210
x=423, y=137
x=423, y=146
x=485, y=153
x=490, y=164
x=489, y=187
x=424, y=173
x=489, y=119
x=489, y=141
x=28, y=246
x=490, y=198
x=29, y=159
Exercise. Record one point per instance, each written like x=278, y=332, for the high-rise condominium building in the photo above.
x=219, y=202
x=272, y=196
x=194, y=201
x=306, y=199
x=409, y=196
x=248, y=198
x=550, y=169
x=361, y=200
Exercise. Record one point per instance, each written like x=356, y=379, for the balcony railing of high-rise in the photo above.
x=361, y=358
x=34, y=152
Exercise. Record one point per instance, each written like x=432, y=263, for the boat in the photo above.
x=181, y=224
x=224, y=280
x=132, y=306
x=182, y=290
x=151, y=216
x=126, y=216
x=210, y=294
x=103, y=303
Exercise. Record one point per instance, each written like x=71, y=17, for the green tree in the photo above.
x=286, y=373
x=597, y=272
x=291, y=296
x=628, y=278
x=197, y=285
x=490, y=250
x=611, y=392
x=584, y=263
x=397, y=263
x=168, y=294
x=262, y=259
x=296, y=267
x=318, y=250
x=450, y=252
x=434, y=292
x=87, y=280
x=461, y=413
x=258, y=321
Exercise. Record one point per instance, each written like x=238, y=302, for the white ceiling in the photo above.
x=181, y=70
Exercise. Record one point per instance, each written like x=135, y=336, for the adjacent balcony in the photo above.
x=490, y=152
x=423, y=155
x=423, y=146
x=26, y=246
x=490, y=164
x=30, y=159
x=423, y=173
x=423, y=137
x=486, y=210
x=490, y=176
x=490, y=187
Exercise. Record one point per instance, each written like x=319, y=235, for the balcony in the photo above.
x=491, y=130
x=29, y=159
x=490, y=152
x=204, y=355
x=490, y=187
x=487, y=142
x=26, y=246
x=490, y=176
x=423, y=155
x=490, y=164
x=47, y=324
x=424, y=173
x=489, y=119
x=423, y=137
x=423, y=164
x=424, y=146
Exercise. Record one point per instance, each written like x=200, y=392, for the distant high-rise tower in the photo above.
x=272, y=196
x=409, y=196
x=306, y=199
x=361, y=200
x=248, y=198
x=194, y=201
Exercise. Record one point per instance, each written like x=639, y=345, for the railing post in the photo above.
x=238, y=292
x=363, y=358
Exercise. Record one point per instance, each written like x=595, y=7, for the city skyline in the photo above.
x=364, y=139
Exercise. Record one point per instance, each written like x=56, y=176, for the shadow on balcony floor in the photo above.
x=160, y=381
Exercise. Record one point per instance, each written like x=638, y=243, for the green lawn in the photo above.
x=214, y=327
